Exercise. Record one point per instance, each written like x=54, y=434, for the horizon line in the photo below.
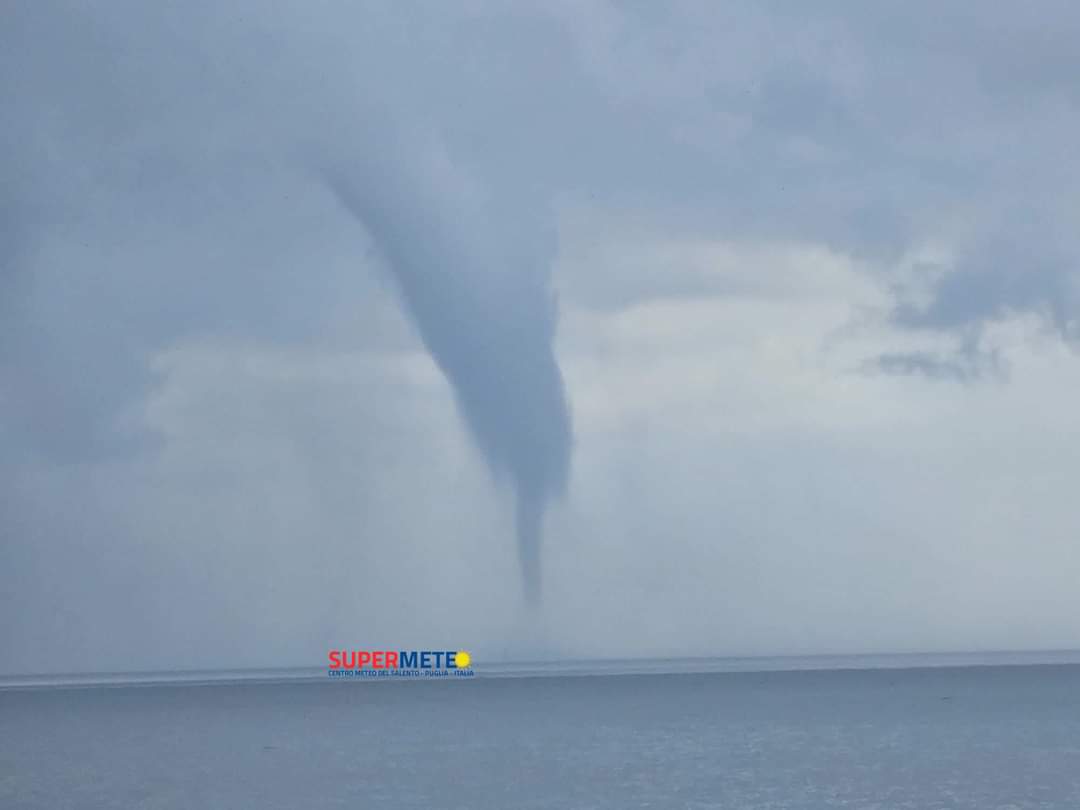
x=569, y=667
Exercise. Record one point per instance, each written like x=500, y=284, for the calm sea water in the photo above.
x=964, y=737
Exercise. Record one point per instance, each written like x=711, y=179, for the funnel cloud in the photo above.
x=479, y=294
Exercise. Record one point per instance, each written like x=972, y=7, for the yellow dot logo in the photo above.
x=462, y=659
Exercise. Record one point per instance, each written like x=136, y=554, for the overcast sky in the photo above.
x=270, y=272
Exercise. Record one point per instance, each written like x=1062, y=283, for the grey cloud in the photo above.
x=162, y=173
x=964, y=367
x=1015, y=269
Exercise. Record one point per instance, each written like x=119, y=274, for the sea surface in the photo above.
x=910, y=733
